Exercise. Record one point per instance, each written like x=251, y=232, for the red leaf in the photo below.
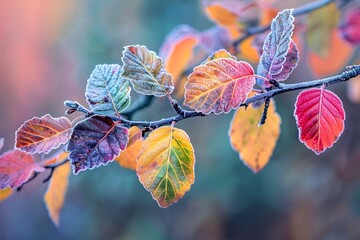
x=16, y=167
x=320, y=118
x=350, y=28
x=41, y=135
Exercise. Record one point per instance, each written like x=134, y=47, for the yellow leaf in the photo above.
x=255, y=144
x=127, y=158
x=335, y=60
x=221, y=15
x=180, y=55
x=4, y=194
x=166, y=165
x=248, y=51
x=55, y=194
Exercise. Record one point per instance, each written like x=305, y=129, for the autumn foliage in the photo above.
x=222, y=78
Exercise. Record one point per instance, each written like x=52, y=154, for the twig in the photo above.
x=52, y=169
x=283, y=88
x=264, y=114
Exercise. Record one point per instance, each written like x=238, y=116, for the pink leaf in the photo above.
x=41, y=135
x=16, y=167
x=320, y=118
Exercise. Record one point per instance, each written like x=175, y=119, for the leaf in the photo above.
x=166, y=165
x=320, y=24
x=277, y=43
x=41, y=135
x=219, y=86
x=177, y=50
x=320, y=118
x=146, y=71
x=350, y=28
x=55, y=195
x=326, y=65
x=292, y=59
x=127, y=158
x=106, y=92
x=2, y=140
x=255, y=144
x=221, y=14
x=230, y=14
x=5, y=193
x=247, y=51
x=15, y=168
x=95, y=142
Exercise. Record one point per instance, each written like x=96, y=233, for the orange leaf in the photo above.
x=334, y=61
x=177, y=50
x=5, y=193
x=255, y=144
x=248, y=51
x=55, y=194
x=127, y=158
x=16, y=167
x=221, y=15
x=166, y=165
x=219, y=85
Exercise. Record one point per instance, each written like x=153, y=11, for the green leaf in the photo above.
x=146, y=71
x=166, y=165
x=106, y=92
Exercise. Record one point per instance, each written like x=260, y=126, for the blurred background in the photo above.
x=48, y=50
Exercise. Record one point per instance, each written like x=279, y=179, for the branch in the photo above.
x=297, y=12
x=282, y=88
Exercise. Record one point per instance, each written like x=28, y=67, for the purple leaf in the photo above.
x=96, y=141
x=290, y=64
x=276, y=45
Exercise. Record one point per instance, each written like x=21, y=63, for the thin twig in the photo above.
x=283, y=88
x=52, y=169
x=264, y=114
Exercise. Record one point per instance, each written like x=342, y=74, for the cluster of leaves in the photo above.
x=164, y=159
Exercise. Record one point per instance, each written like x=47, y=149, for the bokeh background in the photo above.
x=47, y=51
